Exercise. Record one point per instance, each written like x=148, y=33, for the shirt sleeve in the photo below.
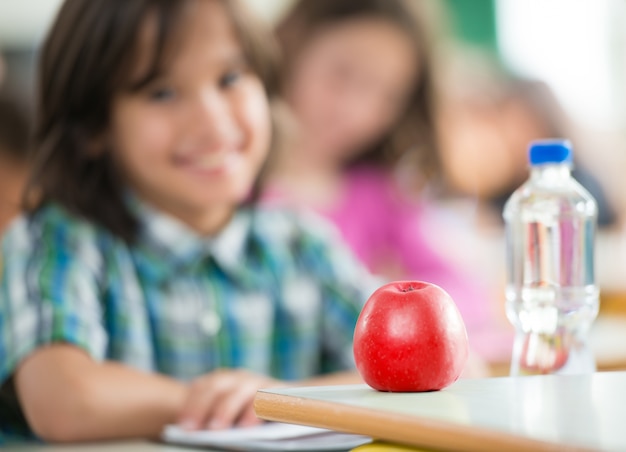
x=346, y=286
x=49, y=290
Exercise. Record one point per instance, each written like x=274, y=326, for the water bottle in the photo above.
x=551, y=296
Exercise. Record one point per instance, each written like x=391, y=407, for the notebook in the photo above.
x=275, y=437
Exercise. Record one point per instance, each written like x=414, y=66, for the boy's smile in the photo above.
x=193, y=140
x=209, y=164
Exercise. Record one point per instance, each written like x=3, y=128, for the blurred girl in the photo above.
x=146, y=271
x=491, y=118
x=360, y=85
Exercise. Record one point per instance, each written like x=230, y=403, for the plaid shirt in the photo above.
x=274, y=292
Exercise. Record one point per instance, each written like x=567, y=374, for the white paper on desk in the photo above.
x=273, y=436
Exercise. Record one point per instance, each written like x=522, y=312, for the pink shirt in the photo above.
x=386, y=231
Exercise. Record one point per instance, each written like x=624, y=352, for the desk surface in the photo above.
x=543, y=413
x=125, y=446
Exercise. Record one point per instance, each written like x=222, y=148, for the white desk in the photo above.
x=121, y=446
x=544, y=413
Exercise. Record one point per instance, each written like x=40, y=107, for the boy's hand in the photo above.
x=223, y=399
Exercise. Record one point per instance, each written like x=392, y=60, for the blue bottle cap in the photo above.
x=543, y=152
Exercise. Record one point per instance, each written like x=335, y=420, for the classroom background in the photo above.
x=509, y=71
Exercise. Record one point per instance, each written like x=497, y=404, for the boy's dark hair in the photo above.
x=415, y=134
x=14, y=129
x=87, y=59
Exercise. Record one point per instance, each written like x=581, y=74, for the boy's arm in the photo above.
x=67, y=396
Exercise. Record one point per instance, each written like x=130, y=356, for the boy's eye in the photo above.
x=161, y=94
x=229, y=79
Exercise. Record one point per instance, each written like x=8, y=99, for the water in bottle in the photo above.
x=551, y=296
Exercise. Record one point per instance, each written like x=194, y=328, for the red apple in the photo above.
x=410, y=337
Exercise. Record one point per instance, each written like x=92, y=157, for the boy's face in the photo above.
x=192, y=142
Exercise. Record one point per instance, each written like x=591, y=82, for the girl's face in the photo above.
x=350, y=84
x=193, y=141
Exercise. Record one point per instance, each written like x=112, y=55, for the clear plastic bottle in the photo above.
x=551, y=296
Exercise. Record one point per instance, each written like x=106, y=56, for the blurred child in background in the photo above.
x=489, y=120
x=530, y=111
x=146, y=286
x=14, y=135
x=359, y=82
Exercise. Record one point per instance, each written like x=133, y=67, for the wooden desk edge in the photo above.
x=394, y=427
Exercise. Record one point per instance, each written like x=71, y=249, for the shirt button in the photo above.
x=210, y=323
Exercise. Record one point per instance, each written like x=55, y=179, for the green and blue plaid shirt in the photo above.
x=275, y=292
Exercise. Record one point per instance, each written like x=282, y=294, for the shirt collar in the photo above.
x=169, y=244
